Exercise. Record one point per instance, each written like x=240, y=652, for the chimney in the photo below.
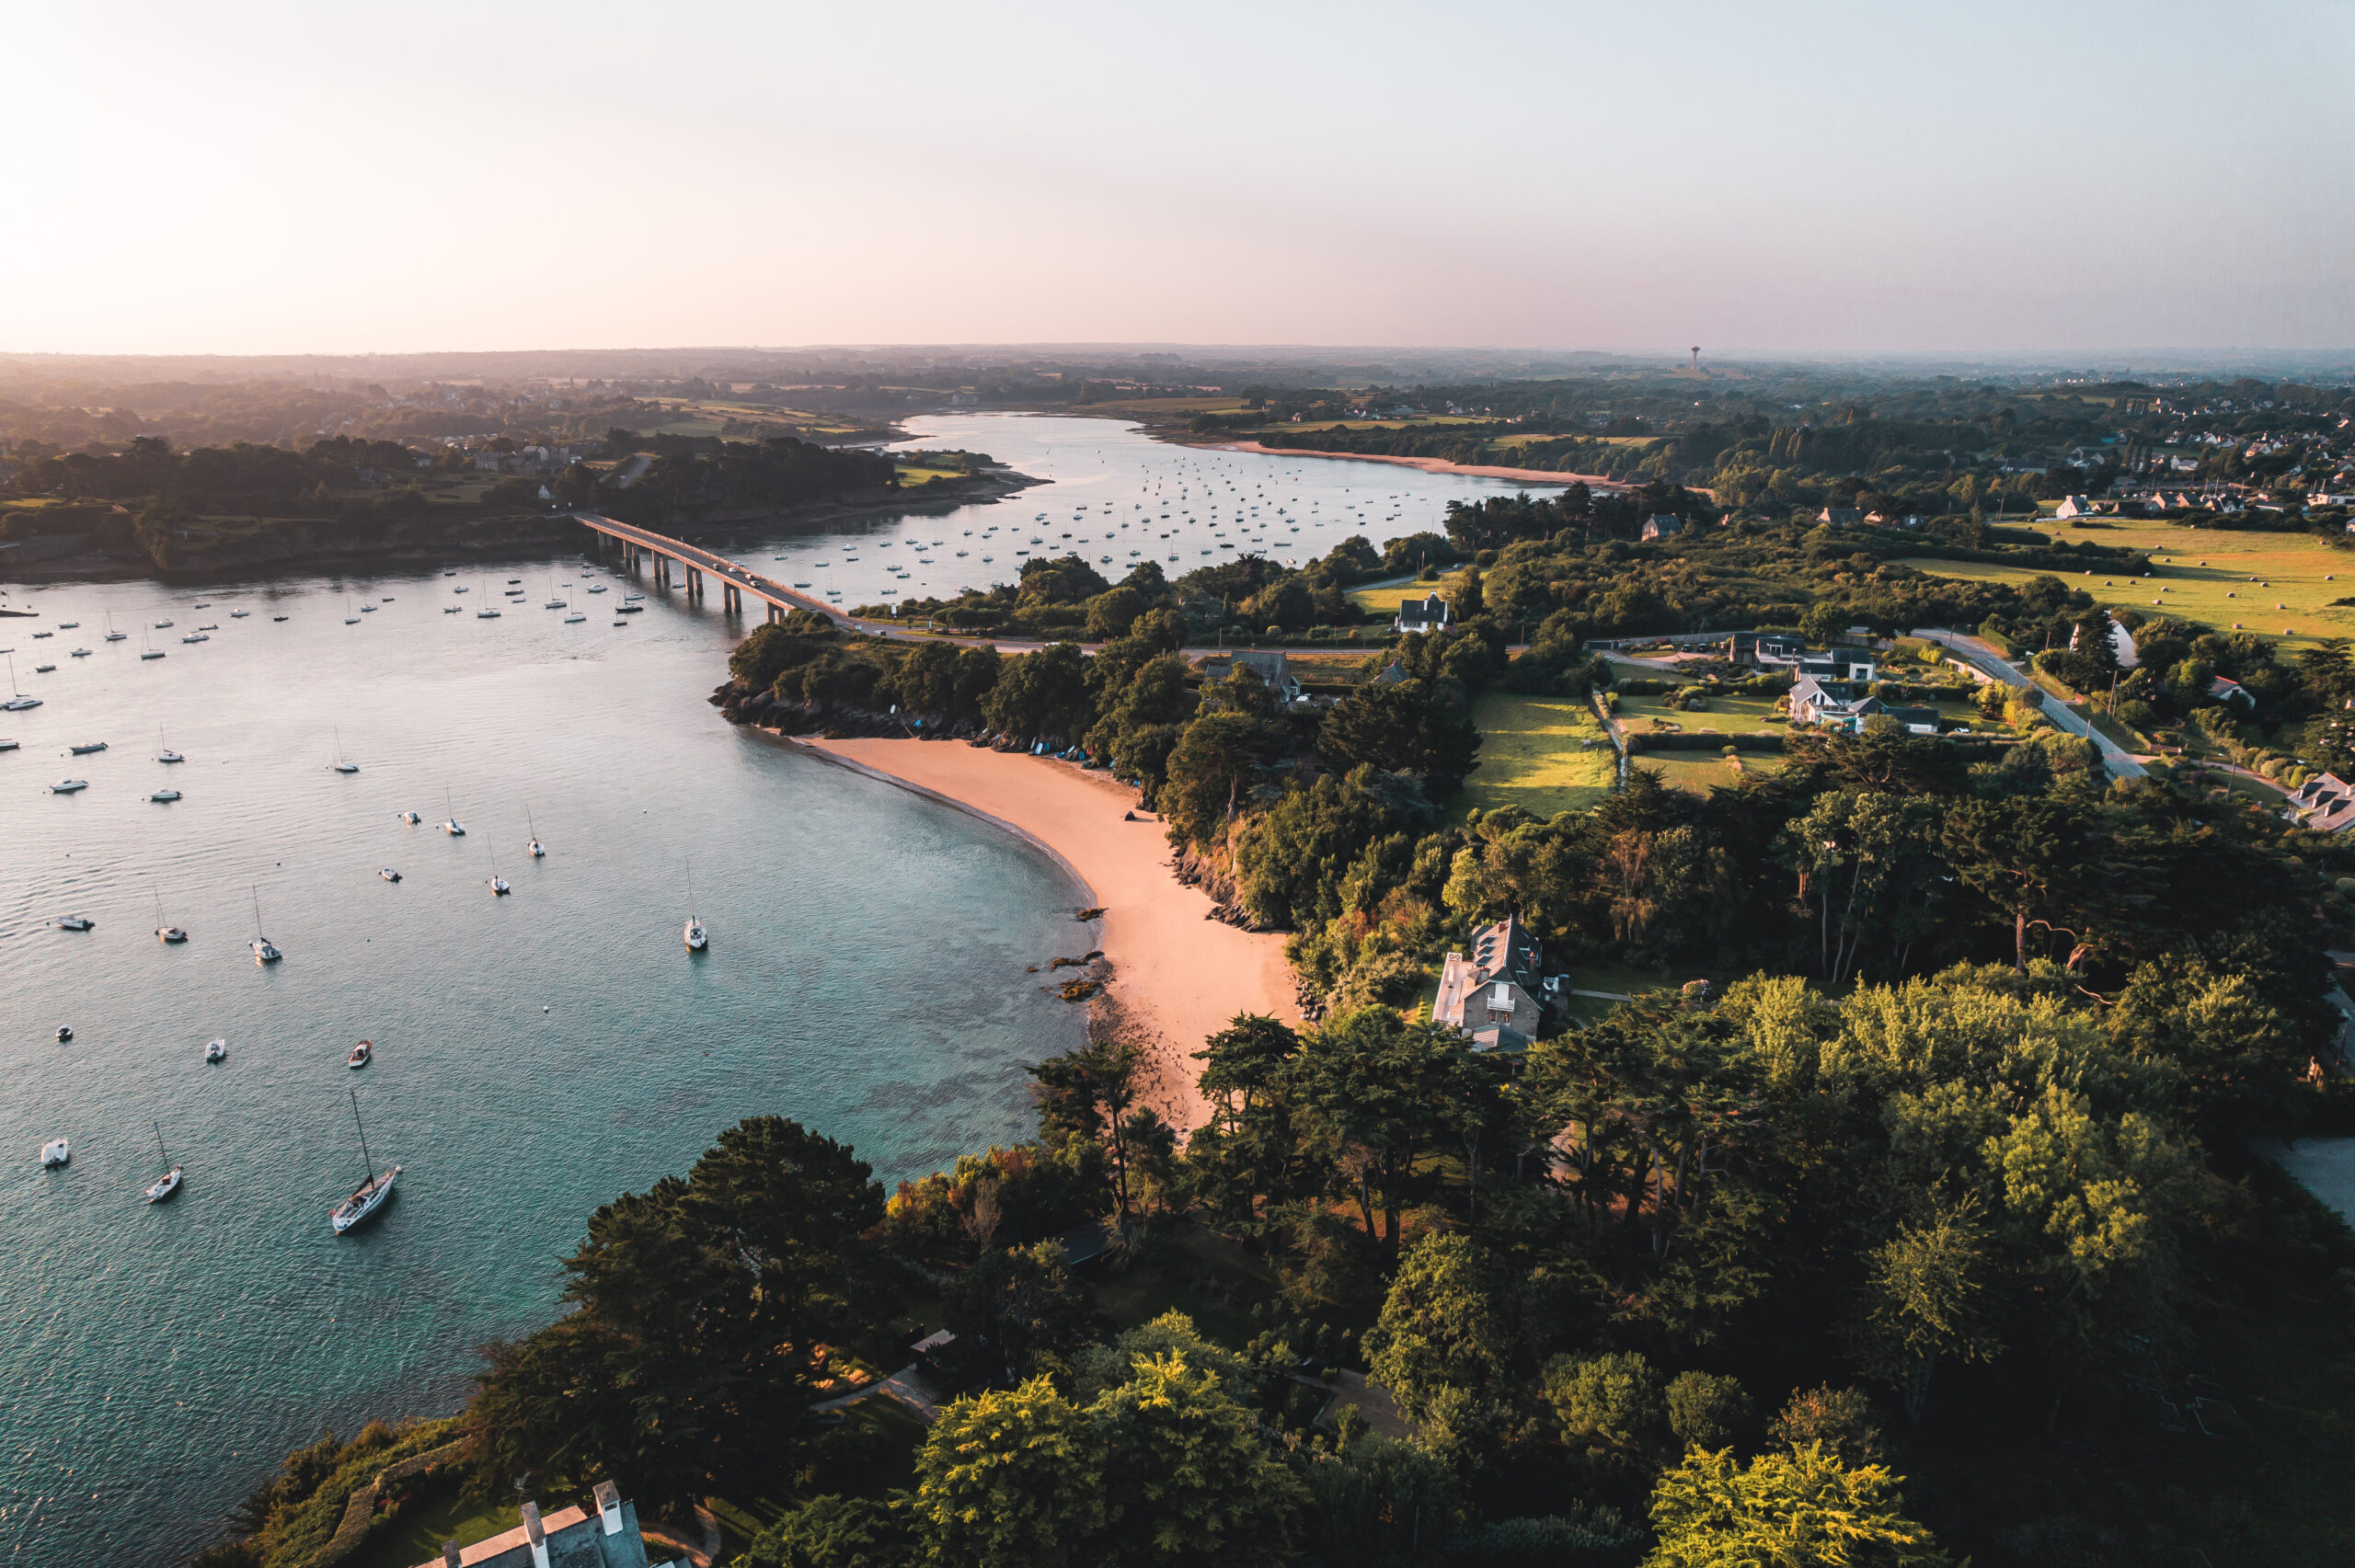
x=536, y=1534
x=609, y=1506
x=450, y=1554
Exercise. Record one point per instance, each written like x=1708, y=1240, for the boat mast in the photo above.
x=159, y=1144
x=256, y=892
x=365, y=1158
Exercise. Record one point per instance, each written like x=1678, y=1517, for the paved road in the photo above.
x=1982, y=655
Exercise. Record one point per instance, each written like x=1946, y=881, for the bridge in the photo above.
x=676, y=562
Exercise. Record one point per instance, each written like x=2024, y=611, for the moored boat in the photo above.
x=56, y=1151
x=360, y=1055
x=370, y=1194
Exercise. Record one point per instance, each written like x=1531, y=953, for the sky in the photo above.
x=1795, y=177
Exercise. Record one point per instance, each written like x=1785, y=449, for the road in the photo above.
x=1982, y=656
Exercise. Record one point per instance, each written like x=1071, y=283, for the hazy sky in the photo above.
x=224, y=178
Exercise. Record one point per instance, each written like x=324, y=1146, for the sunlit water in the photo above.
x=536, y=1053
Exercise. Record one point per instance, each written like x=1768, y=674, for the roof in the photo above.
x=575, y=1538
x=1429, y=609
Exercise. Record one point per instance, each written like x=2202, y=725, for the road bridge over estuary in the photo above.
x=674, y=562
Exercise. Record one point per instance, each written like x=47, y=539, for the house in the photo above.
x=1663, y=525
x=1492, y=994
x=1391, y=673
x=1272, y=668
x=2073, y=506
x=1767, y=649
x=1837, y=708
x=1431, y=615
x=2325, y=804
x=2232, y=693
x=1837, y=664
x=1841, y=517
x=570, y=1538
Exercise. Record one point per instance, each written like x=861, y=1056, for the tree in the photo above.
x=1838, y=1419
x=1703, y=1411
x=2018, y=853
x=1415, y=725
x=1443, y=1326
x=1041, y=696
x=833, y=1532
x=1113, y=612
x=1011, y=1479
x=1610, y=1405
x=700, y=1307
x=1924, y=1301
x=1804, y=1510
x=1024, y=1303
x=1188, y=1479
x=1212, y=769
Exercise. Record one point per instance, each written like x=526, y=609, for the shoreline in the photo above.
x=1176, y=974
x=1438, y=465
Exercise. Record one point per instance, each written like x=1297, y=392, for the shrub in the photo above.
x=1583, y=1537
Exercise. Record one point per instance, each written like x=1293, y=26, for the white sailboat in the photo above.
x=168, y=1183
x=341, y=764
x=499, y=888
x=262, y=951
x=450, y=824
x=697, y=938
x=167, y=754
x=166, y=932
x=370, y=1194
x=147, y=650
x=18, y=702
x=113, y=636
x=537, y=849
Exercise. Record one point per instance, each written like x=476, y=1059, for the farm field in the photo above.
x=1533, y=754
x=2301, y=572
x=1384, y=597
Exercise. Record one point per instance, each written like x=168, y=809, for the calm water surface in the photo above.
x=536, y=1053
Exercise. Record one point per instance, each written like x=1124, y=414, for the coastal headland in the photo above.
x=1176, y=972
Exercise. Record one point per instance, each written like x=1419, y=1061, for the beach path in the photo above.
x=1181, y=975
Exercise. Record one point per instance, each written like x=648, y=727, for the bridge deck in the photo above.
x=734, y=574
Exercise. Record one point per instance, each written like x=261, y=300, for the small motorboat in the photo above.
x=75, y=923
x=388, y=874
x=216, y=1050
x=411, y=817
x=55, y=1153
x=165, y=795
x=87, y=746
x=64, y=1033
x=67, y=787
x=361, y=1056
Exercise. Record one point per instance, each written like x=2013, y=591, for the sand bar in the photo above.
x=1182, y=976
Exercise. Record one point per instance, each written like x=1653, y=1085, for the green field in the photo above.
x=2203, y=575
x=1746, y=713
x=1699, y=771
x=1384, y=597
x=1532, y=756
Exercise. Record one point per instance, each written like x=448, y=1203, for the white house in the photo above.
x=1429, y=615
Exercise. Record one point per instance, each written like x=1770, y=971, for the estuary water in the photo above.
x=535, y=1053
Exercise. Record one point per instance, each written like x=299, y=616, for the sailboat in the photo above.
x=450, y=823
x=145, y=649
x=18, y=702
x=499, y=888
x=167, y=754
x=168, y=1183
x=697, y=938
x=263, y=952
x=370, y=1194
x=537, y=850
x=166, y=932
x=348, y=619
x=113, y=636
x=342, y=764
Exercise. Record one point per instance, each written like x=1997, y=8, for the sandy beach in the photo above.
x=1438, y=465
x=1178, y=974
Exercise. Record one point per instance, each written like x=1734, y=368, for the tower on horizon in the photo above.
x=1697, y=356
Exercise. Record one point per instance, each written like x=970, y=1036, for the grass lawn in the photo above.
x=1749, y=713
x=418, y=1535
x=2303, y=572
x=1532, y=756
x=1384, y=597
x=911, y=475
x=1699, y=771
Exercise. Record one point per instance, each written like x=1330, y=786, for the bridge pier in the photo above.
x=774, y=613
x=694, y=586
x=731, y=599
